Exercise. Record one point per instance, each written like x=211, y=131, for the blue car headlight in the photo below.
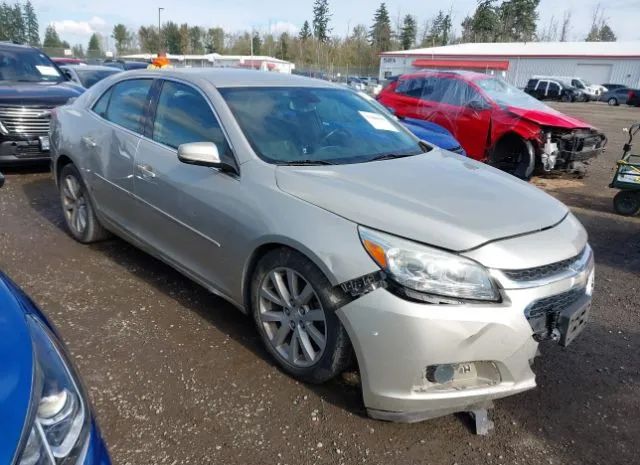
x=60, y=420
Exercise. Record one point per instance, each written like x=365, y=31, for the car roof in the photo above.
x=468, y=75
x=234, y=77
x=12, y=46
x=91, y=68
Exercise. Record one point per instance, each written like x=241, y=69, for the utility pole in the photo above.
x=159, y=31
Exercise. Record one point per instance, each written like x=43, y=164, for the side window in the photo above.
x=542, y=86
x=532, y=84
x=100, y=107
x=554, y=88
x=456, y=92
x=127, y=103
x=184, y=116
x=411, y=87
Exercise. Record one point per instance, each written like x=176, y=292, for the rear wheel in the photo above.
x=565, y=98
x=78, y=211
x=613, y=102
x=293, y=306
x=627, y=203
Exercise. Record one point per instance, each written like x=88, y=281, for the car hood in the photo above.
x=549, y=117
x=38, y=93
x=438, y=198
x=16, y=367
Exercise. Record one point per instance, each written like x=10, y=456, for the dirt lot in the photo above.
x=178, y=376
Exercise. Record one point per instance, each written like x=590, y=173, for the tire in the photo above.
x=565, y=98
x=613, y=102
x=79, y=214
x=627, y=203
x=515, y=156
x=287, y=329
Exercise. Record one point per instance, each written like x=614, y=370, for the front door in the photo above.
x=111, y=144
x=554, y=91
x=181, y=214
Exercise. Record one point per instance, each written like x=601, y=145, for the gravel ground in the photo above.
x=178, y=376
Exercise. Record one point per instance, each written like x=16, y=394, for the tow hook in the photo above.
x=549, y=154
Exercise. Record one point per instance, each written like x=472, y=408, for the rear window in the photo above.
x=90, y=77
x=126, y=104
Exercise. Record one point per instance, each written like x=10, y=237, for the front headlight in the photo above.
x=428, y=270
x=60, y=418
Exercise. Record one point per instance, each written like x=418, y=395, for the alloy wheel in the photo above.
x=74, y=204
x=292, y=317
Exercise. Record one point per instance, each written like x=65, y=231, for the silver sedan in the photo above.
x=349, y=241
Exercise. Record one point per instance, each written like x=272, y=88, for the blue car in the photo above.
x=45, y=416
x=434, y=134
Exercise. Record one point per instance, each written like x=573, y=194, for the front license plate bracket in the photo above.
x=572, y=321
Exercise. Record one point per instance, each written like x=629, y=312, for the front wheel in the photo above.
x=565, y=98
x=78, y=211
x=627, y=203
x=612, y=102
x=294, y=308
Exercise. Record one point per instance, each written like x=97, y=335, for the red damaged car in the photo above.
x=496, y=122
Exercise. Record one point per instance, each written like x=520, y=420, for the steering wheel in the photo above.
x=335, y=132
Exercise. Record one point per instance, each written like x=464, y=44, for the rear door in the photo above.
x=541, y=89
x=406, y=98
x=184, y=208
x=554, y=90
x=113, y=140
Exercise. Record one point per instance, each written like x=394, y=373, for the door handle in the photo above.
x=89, y=142
x=146, y=171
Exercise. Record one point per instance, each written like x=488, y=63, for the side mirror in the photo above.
x=477, y=105
x=203, y=154
x=1, y=180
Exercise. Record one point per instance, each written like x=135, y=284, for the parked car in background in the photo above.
x=633, y=98
x=494, y=121
x=68, y=61
x=373, y=86
x=31, y=85
x=551, y=89
x=616, y=96
x=614, y=86
x=125, y=65
x=88, y=75
x=590, y=91
x=46, y=415
x=342, y=235
x=356, y=84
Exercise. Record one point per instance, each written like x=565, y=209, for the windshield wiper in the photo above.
x=306, y=163
x=391, y=156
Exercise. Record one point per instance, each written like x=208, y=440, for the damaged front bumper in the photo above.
x=420, y=361
x=568, y=150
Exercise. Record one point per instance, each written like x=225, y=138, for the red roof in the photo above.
x=466, y=64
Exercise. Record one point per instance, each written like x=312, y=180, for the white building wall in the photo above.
x=623, y=70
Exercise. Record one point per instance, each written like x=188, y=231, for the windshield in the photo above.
x=27, y=65
x=298, y=124
x=90, y=77
x=507, y=95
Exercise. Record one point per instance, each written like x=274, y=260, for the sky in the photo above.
x=76, y=20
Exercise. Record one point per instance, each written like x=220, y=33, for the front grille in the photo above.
x=26, y=121
x=543, y=314
x=542, y=272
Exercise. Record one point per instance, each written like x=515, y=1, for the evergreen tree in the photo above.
x=214, y=40
x=305, y=32
x=31, y=24
x=94, y=48
x=65, y=45
x=594, y=34
x=380, y=33
x=17, y=25
x=321, y=18
x=256, y=43
x=51, y=38
x=606, y=34
x=467, y=29
x=408, y=33
x=4, y=31
x=518, y=20
x=78, y=51
x=283, y=46
x=485, y=22
x=196, y=36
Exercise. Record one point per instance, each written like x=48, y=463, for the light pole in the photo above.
x=159, y=31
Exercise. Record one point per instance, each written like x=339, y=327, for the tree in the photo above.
x=321, y=18
x=408, y=33
x=65, y=45
x=32, y=29
x=78, y=51
x=171, y=37
x=122, y=37
x=214, y=40
x=606, y=34
x=148, y=38
x=256, y=44
x=485, y=22
x=305, y=32
x=183, y=33
x=467, y=29
x=51, y=38
x=196, y=39
x=380, y=33
x=566, y=26
x=283, y=46
x=94, y=48
x=517, y=20
x=16, y=24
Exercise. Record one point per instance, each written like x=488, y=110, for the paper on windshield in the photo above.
x=47, y=70
x=379, y=122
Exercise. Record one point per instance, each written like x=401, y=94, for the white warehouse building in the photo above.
x=597, y=62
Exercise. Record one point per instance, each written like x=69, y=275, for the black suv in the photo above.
x=552, y=89
x=31, y=85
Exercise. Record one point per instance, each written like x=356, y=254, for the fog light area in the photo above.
x=457, y=376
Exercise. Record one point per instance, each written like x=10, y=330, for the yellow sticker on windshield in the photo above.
x=378, y=121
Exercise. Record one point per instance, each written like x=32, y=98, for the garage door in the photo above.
x=596, y=74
